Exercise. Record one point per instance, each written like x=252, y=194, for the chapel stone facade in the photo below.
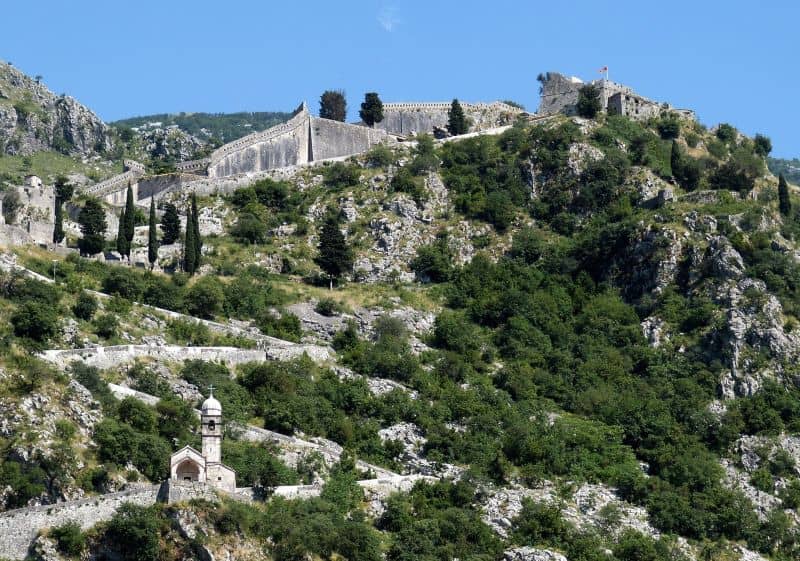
x=187, y=464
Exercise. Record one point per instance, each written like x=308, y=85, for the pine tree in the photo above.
x=333, y=105
x=335, y=256
x=198, y=240
x=92, y=220
x=189, y=244
x=784, y=202
x=456, y=120
x=129, y=217
x=170, y=224
x=152, y=235
x=372, y=109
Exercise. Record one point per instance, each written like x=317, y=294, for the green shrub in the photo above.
x=341, y=176
x=69, y=539
x=726, y=133
x=380, y=156
x=106, y=326
x=36, y=321
x=761, y=479
x=205, y=298
x=188, y=332
x=328, y=307
x=283, y=326
x=85, y=306
x=134, y=532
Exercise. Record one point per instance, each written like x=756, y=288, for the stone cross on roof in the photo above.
x=210, y=390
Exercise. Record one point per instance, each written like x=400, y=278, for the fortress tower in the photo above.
x=189, y=465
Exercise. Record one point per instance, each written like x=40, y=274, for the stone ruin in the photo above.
x=559, y=94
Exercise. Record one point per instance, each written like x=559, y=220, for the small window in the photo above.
x=212, y=425
x=219, y=479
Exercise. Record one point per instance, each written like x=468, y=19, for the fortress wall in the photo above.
x=157, y=184
x=407, y=118
x=333, y=139
x=116, y=183
x=279, y=146
x=108, y=357
x=18, y=528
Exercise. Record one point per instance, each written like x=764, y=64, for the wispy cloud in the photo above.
x=388, y=19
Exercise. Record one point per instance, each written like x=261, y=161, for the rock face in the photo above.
x=32, y=118
x=532, y=554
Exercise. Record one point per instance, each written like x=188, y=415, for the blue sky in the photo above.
x=731, y=61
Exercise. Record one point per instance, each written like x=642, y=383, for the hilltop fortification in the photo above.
x=559, y=94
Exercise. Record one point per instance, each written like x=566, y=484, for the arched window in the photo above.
x=211, y=425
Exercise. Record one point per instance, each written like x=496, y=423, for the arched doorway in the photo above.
x=188, y=470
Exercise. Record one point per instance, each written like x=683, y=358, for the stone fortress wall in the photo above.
x=301, y=140
x=18, y=528
x=413, y=118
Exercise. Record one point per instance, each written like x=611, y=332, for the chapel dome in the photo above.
x=211, y=406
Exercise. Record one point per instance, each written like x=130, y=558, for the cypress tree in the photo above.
x=92, y=220
x=152, y=235
x=58, y=229
x=63, y=192
x=129, y=216
x=189, y=244
x=456, y=120
x=335, y=256
x=784, y=203
x=170, y=224
x=372, y=109
x=123, y=246
x=675, y=160
x=198, y=241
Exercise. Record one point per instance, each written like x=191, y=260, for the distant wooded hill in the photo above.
x=789, y=168
x=222, y=126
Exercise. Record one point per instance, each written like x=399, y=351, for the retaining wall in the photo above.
x=334, y=139
x=408, y=118
x=107, y=357
x=18, y=528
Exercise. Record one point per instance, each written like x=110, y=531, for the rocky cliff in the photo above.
x=33, y=118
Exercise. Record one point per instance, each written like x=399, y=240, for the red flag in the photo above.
x=604, y=69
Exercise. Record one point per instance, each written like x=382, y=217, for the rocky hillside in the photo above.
x=585, y=330
x=33, y=119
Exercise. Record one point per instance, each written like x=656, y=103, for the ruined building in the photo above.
x=559, y=94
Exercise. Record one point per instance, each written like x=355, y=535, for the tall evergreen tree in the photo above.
x=129, y=216
x=92, y=220
x=335, y=255
x=456, y=120
x=784, y=202
x=198, y=240
x=372, y=109
x=333, y=105
x=170, y=224
x=675, y=160
x=589, y=104
x=123, y=245
x=189, y=245
x=63, y=192
x=152, y=235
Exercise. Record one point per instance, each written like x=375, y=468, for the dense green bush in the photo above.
x=69, y=539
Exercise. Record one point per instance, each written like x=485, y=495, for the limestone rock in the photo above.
x=532, y=554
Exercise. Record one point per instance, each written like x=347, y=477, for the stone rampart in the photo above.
x=334, y=139
x=416, y=118
x=18, y=528
x=116, y=183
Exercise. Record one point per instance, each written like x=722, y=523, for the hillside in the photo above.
x=219, y=127
x=789, y=168
x=587, y=329
x=33, y=118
